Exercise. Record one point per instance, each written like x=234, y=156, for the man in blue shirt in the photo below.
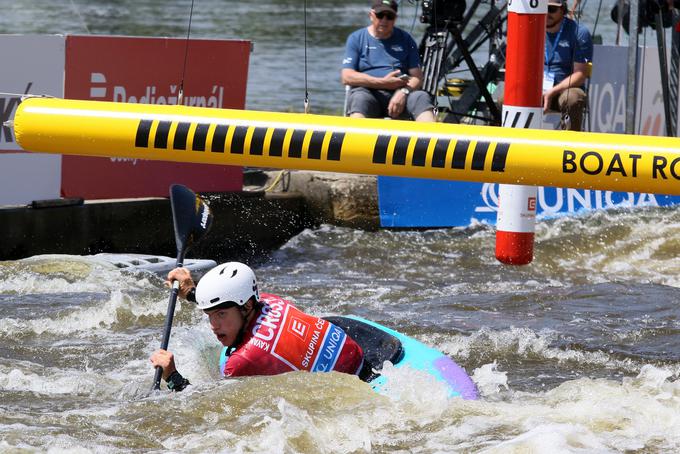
x=568, y=51
x=382, y=66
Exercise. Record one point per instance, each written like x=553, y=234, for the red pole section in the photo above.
x=522, y=108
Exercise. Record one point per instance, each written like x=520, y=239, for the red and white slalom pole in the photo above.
x=522, y=108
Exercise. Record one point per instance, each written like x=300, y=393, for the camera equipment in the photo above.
x=647, y=12
x=443, y=48
x=439, y=12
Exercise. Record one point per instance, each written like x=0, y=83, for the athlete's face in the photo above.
x=383, y=23
x=226, y=324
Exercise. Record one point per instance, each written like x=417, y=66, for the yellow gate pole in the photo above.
x=327, y=143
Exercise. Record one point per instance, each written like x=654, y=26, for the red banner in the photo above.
x=149, y=71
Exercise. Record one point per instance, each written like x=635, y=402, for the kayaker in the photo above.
x=382, y=67
x=264, y=334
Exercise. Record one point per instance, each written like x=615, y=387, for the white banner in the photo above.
x=30, y=65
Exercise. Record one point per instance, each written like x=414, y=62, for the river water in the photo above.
x=578, y=352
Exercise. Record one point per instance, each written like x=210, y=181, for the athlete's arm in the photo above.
x=186, y=283
x=166, y=361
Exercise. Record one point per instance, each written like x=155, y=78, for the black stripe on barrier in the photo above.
x=460, y=154
x=499, y=157
x=315, y=148
x=257, y=141
x=238, y=140
x=162, y=131
x=315, y=145
x=276, y=144
x=380, y=150
x=200, y=135
x=479, y=155
x=420, y=151
x=400, y=150
x=219, y=138
x=335, y=146
x=143, y=130
x=295, y=148
x=180, y=142
x=515, y=119
x=439, y=154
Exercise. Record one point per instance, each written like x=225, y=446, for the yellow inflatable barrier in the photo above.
x=335, y=144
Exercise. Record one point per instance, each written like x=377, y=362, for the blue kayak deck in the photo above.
x=382, y=344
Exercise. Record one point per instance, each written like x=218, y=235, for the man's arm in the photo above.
x=575, y=79
x=186, y=283
x=355, y=78
x=398, y=101
x=416, y=80
x=166, y=361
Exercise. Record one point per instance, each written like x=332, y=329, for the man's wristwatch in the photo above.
x=405, y=90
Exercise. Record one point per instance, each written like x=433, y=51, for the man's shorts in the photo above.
x=373, y=103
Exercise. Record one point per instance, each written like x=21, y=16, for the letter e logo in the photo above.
x=298, y=327
x=531, y=204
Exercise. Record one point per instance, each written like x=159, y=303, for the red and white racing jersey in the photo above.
x=282, y=338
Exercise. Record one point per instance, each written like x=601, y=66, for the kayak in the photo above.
x=381, y=344
x=378, y=342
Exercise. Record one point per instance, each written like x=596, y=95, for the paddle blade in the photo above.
x=191, y=217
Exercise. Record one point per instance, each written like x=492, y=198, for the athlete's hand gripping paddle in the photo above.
x=191, y=219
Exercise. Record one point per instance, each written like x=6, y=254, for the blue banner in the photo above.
x=416, y=202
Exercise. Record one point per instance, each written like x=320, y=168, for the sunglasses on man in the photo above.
x=552, y=9
x=385, y=15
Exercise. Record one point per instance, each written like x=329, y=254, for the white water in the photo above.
x=575, y=353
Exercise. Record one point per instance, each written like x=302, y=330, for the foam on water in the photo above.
x=409, y=387
x=52, y=381
x=537, y=346
x=120, y=311
x=638, y=412
x=336, y=413
x=67, y=273
x=489, y=379
x=638, y=245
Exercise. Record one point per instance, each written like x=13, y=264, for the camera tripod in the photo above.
x=443, y=48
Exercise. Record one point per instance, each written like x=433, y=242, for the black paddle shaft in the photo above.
x=169, y=316
x=191, y=221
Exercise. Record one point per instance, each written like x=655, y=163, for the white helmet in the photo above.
x=228, y=282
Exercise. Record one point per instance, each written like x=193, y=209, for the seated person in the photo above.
x=568, y=50
x=382, y=66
